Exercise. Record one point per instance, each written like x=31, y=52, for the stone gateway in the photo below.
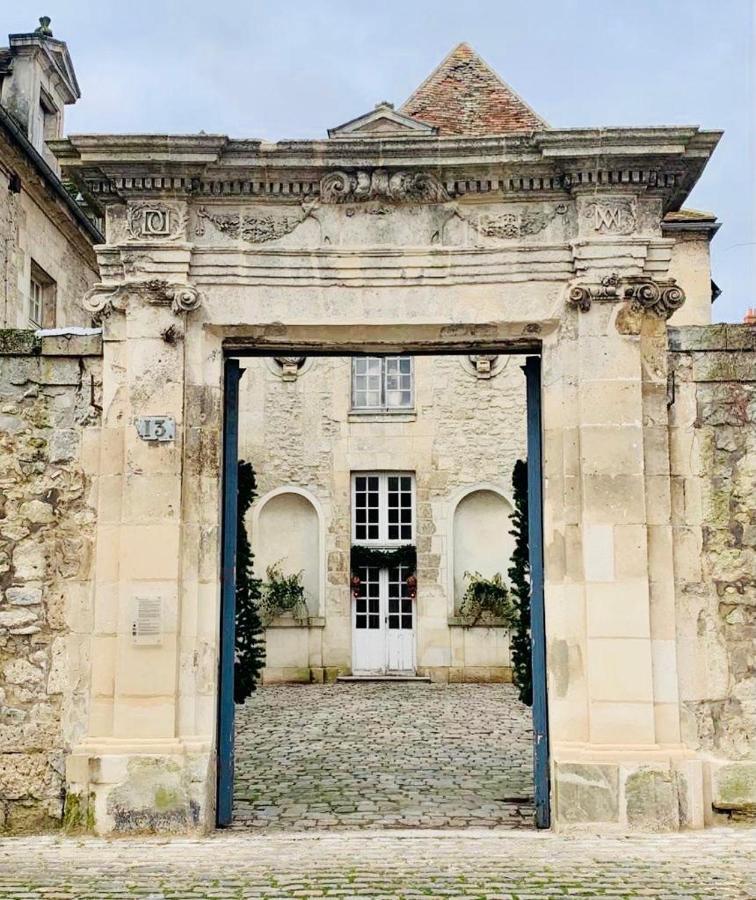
x=382, y=282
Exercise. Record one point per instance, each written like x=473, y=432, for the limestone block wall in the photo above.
x=713, y=464
x=464, y=432
x=49, y=412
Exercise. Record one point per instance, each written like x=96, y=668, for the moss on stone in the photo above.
x=18, y=342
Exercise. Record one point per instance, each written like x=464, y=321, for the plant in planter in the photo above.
x=282, y=594
x=487, y=599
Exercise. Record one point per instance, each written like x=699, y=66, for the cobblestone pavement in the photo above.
x=380, y=755
x=469, y=865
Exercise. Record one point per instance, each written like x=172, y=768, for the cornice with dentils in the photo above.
x=677, y=154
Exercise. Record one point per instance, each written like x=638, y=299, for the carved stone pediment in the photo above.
x=380, y=184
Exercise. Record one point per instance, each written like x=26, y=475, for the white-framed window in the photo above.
x=383, y=507
x=36, y=302
x=41, y=298
x=382, y=383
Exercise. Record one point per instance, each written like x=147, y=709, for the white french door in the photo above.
x=383, y=622
x=383, y=610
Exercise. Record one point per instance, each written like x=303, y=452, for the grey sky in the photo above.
x=292, y=69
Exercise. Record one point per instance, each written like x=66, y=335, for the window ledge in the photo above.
x=459, y=622
x=290, y=622
x=382, y=415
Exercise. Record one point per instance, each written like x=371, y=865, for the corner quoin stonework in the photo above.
x=213, y=243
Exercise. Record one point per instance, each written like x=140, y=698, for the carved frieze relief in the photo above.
x=103, y=298
x=379, y=184
x=253, y=228
x=660, y=298
x=518, y=224
x=153, y=221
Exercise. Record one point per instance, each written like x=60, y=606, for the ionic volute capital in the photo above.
x=104, y=298
x=659, y=298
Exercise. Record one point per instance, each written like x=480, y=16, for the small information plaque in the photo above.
x=147, y=625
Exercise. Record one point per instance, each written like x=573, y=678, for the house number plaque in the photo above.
x=156, y=428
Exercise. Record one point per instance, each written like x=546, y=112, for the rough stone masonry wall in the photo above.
x=49, y=399
x=713, y=458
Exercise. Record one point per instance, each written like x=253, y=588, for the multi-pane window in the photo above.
x=399, y=600
x=36, y=302
x=367, y=608
x=41, y=298
x=382, y=382
x=382, y=508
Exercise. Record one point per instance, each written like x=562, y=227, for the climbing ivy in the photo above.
x=250, y=642
x=519, y=577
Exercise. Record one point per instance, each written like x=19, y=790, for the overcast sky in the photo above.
x=293, y=69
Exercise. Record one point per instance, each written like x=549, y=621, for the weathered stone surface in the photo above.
x=735, y=787
x=45, y=532
x=715, y=400
x=651, y=799
x=587, y=792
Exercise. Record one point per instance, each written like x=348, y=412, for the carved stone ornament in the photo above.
x=252, y=229
x=611, y=216
x=150, y=221
x=401, y=187
x=290, y=366
x=517, y=225
x=103, y=298
x=660, y=298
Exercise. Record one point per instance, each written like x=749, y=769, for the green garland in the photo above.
x=362, y=557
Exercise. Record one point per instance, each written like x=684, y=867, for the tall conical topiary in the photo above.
x=250, y=641
x=519, y=576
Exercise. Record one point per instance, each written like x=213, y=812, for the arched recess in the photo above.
x=479, y=539
x=288, y=525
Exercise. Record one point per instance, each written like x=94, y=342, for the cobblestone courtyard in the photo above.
x=380, y=755
x=470, y=865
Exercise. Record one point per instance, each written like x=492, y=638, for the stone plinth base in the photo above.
x=140, y=791
x=628, y=791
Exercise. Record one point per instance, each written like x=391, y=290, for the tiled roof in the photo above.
x=465, y=96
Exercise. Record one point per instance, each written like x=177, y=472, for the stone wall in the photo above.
x=713, y=462
x=50, y=395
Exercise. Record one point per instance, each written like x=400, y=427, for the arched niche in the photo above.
x=287, y=526
x=480, y=538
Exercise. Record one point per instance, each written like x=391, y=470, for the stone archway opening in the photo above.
x=437, y=736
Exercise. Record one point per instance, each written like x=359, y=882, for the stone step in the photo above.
x=365, y=679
